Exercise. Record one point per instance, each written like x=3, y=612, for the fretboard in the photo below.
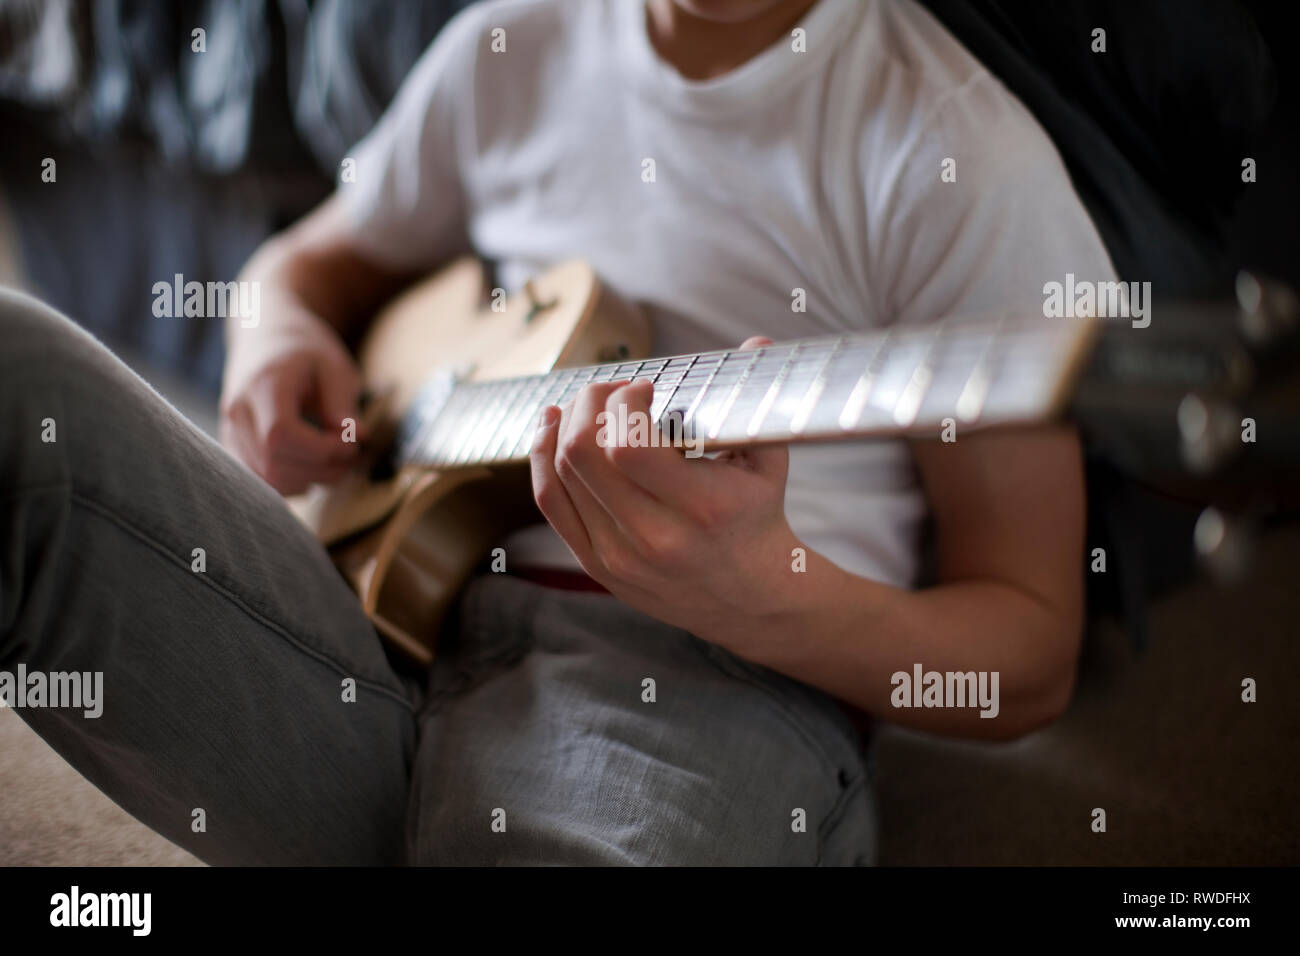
x=901, y=381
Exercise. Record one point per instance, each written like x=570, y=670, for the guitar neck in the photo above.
x=1012, y=369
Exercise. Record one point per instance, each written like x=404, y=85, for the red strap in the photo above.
x=560, y=579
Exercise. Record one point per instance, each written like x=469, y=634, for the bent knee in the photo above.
x=35, y=336
x=53, y=375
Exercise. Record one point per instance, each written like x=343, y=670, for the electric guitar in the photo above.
x=456, y=385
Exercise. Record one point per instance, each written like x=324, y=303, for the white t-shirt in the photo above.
x=816, y=165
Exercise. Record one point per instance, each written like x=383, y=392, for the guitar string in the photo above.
x=531, y=407
x=772, y=361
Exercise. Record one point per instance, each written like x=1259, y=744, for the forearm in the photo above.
x=705, y=545
x=848, y=636
x=310, y=269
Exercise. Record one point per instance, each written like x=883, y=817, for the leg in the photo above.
x=538, y=708
x=223, y=669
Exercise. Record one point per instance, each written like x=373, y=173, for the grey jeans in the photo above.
x=537, y=737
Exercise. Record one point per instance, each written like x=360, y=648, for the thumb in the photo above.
x=770, y=461
x=338, y=392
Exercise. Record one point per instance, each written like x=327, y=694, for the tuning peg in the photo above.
x=1223, y=546
x=1209, y=432
x=1269, y=309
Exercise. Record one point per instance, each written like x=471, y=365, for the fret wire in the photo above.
x=654, y=375
x=771, y=365
x=509, y=411
x=673, y=394
x=423, y=449
x=973, y=394
x=762, y=399
x=731, y=396
x=858, y=397
x=769, y=397
x=678, y=364
x=706, y=367
x=520, y=428
x=697, y=375
x=521, y=439
x=519, y=411
x=1015, y=383
x=522, y=445
x=452, y=420
x=550, y=386
x=909, y=401
x=491, y=399
x=465, y=439
x=691, y=378
x=766, y=366
x=564, y=383
x=438, y=423
x=413, y=432
x=636, y=370
x=499, y=418
x=524, y=442
x=456, y=429
x=642, y=372
x=565, y=386
x=978, y=332
x=460, y=429
x=418, y=424
x=520, y=433
x=486, y=423
x=804, y=410
x=414, y=428
x=551, y=394
x=560, y=385
x=578, y=387
x=699, y=396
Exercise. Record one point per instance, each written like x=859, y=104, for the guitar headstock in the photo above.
x=1203, y=398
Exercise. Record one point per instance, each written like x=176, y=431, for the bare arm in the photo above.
x=314, y=264
x=1009, y=517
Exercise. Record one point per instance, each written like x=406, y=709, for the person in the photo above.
x=714, y=160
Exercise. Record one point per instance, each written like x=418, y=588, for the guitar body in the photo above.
x=407, y=543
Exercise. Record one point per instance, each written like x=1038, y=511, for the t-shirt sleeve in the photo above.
x=406, y=201
x=1007, y=223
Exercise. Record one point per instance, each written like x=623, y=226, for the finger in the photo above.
x=770, y=461
x=575, y=450
x=286, y=475
x=338, y=392
x=549, y=492
x=655, y=467
x=631, y=506
x=287, y=478
x=279, y=428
